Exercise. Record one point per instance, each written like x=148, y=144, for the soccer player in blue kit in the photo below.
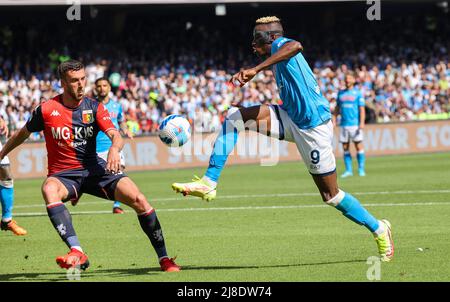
x=351, y=106
x=103, y=88
x=304, y=118
x=7, y=222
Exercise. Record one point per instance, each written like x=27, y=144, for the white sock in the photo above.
x=159, y=259
x=380, y=229
x=209, y=181
x=77, y=248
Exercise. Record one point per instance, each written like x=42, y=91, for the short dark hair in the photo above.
x=69, y=65
x=102, y=79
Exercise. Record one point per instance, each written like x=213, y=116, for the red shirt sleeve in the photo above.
x=103, y=119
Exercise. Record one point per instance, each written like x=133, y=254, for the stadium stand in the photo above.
x=161, y=65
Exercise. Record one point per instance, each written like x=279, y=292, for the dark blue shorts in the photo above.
x=99, y=183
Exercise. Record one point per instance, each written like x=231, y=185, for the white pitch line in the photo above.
x=249, y=208
x=87, y=202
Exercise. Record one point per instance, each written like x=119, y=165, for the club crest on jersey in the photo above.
x=88, y=116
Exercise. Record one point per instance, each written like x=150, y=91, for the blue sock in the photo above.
x=353, y=210
x=361, y=156
x=116, y=204
x=7, y=201
x=223, y=145
x=62, y=222
x=348, y=161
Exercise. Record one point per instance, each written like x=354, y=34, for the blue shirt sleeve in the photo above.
x=278, y=43
x=120, y=118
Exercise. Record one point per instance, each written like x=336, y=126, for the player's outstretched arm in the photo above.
x=16, y=140
x=113, y=160
x=287, y=51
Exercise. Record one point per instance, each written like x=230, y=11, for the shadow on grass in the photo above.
x=94, y=274
x=88, y=275
x=268, y=266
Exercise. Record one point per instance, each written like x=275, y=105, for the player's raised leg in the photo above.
x=54, y=192
x=353, y=210
x=7, y=200
x=315, y=146
x=256, y=118
x=128, y=193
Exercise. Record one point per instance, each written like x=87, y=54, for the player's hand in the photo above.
x=360, y=128
x=4, y=128
x=242, y=77
x=113, y=162
x=128, y=133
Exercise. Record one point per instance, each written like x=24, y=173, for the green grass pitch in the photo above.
x=267, y=224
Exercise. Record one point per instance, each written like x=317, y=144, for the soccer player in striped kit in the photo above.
x=70, y=123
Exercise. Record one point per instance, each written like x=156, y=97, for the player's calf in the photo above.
x=152, y=228
x=128, y=193
x=7, y=201
x=62, y=222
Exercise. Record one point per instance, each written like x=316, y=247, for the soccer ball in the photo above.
x=174, y=130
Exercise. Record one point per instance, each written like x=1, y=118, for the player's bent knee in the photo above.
x=234, y=116
x=141, y=199
x=139, y=203
x=5, y=173
x=50, y=188
x=7, y=183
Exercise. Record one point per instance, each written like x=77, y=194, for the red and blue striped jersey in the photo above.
x=70, y=133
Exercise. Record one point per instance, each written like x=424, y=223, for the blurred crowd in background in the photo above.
x=182, y=67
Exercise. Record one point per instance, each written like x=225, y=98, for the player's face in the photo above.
x=102, y=88
x=259, y=50
x=74, y=83
x=349, y=81
x=259, y=43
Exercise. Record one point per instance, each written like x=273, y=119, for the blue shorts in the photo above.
x=100, y=183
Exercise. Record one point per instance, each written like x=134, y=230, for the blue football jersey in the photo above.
x=349, y=101
x=115, y=112
x=299, y=91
